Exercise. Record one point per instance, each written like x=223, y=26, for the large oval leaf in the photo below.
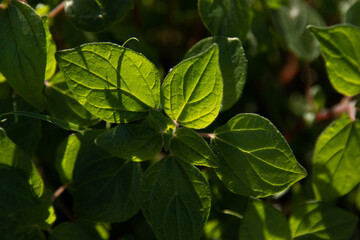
x=342, y=56
x=105, y=187
x=192, y=91
x=175, y=200
x=255, y=158
x=233, y=65
x=23, y=51
x=96, y=15
x=318, y=221
x=114, y=83
x=229, y=18
x=337, y=159
x=262, y=222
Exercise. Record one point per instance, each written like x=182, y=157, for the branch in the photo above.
x=346, y=105
x=58, y=192
x=58, y=9
x=208, y=135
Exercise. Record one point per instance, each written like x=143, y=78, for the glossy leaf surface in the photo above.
x=233, y=66
x=229, y=18
x=337, y=159
x=192, y=91
x=23, y=51
x=255, y=159
x=50, y=51
x=188, y=146
x=96, y=15
x=319, y=221
x=342, y=57
x=262, y=222
x=114, y=83
x=175, y=199
x=106, y=187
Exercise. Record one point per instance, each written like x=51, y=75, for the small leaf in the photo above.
x=338, y=47
x=233, y=65
x=93, y=16
x=229, y=18
x=106, y=187
x=291, y=23
x=23, y=51
x=188, y=146
x=175, y=200
x=71, y=231
x=337, y=160
x=255, y=159
x=50, y=49
x=322, y=221
x=262, y=222
x=114, y=83
x=61, y=103
x=192, y=91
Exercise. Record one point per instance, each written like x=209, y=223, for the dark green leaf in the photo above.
x=23, y=51
x=318, y=221
x=188, y=146
x=262, y=222
x=255, y=158
x=337, y=159
x=342, y=56
x=93, y=16
x=7, y=228
x=291, y=23
x=106, y=187
x=71, y=231
x=175, y=200
x=192, y=91
x=352, y=14
x=233, y=65
x=61, y=103
x=229, y=18
x=114, y=83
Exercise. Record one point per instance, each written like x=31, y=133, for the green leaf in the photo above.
x=89, y=15
x=291, y=23
x=23, y=51
x=106, y=187
x=352, y=14
x=132, y=142
x=276, y=3
x=262, y=222
x=175, y=199
x=61, y=103
x=50, y=49
x=255, y=159
x=68, y=150
x=188, y=146
x=337, y=160
x=314, y=221
x=114, y=83
x=2, y=78
x=29, y=233
x=71, y=231
x=55, y=121
x=6, y=228
x=229, y=18
x=338, y=47
x=12, y=156
x=233, y=65
x=192, y=91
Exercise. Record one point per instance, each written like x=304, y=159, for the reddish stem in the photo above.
x=208, y=135
x=58, y=192
x=58, y=9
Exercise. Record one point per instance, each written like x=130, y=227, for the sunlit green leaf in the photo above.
x=192, y=91
x=291, y=22
x=50, y=49
x=188, y=146
x=105, y=187
x=338, y=47
x=175, y=199
x=23, y=51
x=255, y=159
x=91, y=16
x=114, y=83
x=319, y=221
x=233, y=65
x=229, y=18
x=262, y=222
x=337, y=159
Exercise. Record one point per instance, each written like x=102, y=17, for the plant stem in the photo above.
x=208, y=135
x=58, y=9
x=346, y=105
x=58, y=192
